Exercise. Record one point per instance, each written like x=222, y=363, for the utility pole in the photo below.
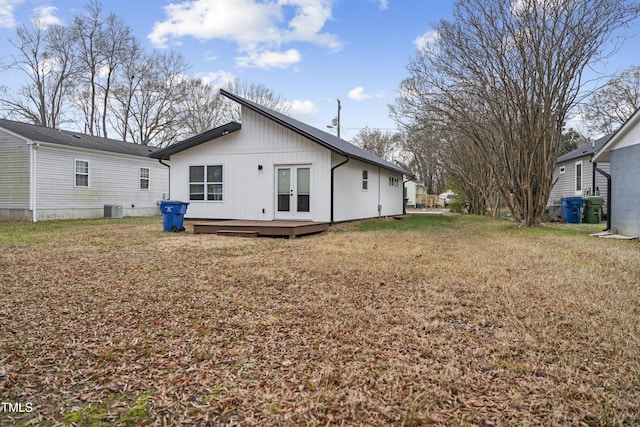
x=339, y=108
x=335, y=123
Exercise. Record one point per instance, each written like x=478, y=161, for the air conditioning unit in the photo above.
x=113, y=211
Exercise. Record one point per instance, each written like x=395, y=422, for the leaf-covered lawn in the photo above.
x=464, y=322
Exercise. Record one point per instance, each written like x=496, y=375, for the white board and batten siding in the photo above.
x=352, y=201
x=248, y=190
x=114, y=179
x=14, y=177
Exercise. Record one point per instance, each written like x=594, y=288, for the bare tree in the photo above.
x=256, y=92
x=150, y=99
x=88, y=34
x=117, y=44
x=127, y=82
x=200, y=108
x=382, y=144
x=504, y=74
x=610, y=106
x=46, y=57
x=420, y=152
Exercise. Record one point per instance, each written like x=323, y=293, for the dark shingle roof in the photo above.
x=75, y=139
x=588, y=149
x=325, y=139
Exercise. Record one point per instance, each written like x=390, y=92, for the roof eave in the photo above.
x=603, y=154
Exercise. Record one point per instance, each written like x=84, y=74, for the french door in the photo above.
x=293, y=192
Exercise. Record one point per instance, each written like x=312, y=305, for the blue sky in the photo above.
x=310, y=52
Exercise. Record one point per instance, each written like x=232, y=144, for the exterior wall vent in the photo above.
x=113, y=211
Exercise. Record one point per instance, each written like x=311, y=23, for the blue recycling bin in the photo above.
x=173, y=215
x=571, y=208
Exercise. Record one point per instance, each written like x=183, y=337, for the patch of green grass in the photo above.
x=407, y=223
x=32, y=233
x=93, y=414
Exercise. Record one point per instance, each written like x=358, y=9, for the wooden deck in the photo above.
x=247, y=228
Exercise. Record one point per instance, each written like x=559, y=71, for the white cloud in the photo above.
x=358, y=94
x=427, y=41
x=7, y=20
x=305, y=111
x=258, y=27
x=269, y=59
x=217, y=79
x=45, y=15
x=384, y=4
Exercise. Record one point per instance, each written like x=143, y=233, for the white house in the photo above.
x=48, y=173
x=275, y=167
x=622, y=152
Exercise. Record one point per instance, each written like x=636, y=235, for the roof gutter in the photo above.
x=332, y=186
x=606, y=175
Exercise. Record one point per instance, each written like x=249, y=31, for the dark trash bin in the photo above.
x=571, y=207
x=173, y=215
x=592, y=212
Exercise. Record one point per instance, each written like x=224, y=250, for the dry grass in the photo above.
x=468, y=322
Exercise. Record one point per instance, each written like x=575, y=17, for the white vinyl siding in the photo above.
x=113, y=180
x=14, y=172
x=565, y=183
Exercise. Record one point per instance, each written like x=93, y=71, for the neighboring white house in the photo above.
x=622, y=152
x=48, y=173
x=275, y=167
x=576, y=176
x=412, y=190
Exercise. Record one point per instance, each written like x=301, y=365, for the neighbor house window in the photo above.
x=365, y=180
x=205, y=182
x=144, y=178
x=578, y=177
x=82, y=173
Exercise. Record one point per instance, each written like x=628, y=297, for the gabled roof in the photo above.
x=166, y=152
x=586, y=150
x=325, y=139
x=43, y=134
x=603, y=154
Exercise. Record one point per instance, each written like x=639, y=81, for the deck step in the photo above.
x=238, y=233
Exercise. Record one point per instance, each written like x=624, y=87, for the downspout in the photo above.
x=332, y=186
x=164, y=164
x=593, y=180
x=606, y=175
x=404, y=197
x=33, y=196
x=379, y=205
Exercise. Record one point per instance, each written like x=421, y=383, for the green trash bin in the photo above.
x=592, y=212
